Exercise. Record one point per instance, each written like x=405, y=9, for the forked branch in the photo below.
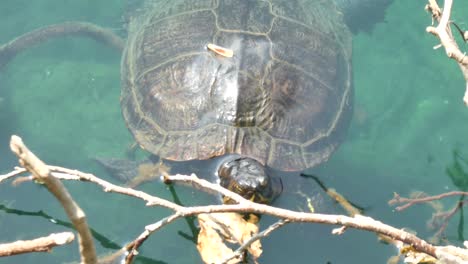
x=447, y=40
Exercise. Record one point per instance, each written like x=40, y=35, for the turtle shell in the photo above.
x=283, y=98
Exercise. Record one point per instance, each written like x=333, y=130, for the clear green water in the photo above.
x=63, y=99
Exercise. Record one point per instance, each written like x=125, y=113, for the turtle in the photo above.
x=266, y=83
x=283, y=99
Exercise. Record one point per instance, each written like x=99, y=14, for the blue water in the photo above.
x=62, y=98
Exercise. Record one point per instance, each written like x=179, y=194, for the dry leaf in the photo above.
x=219, y=231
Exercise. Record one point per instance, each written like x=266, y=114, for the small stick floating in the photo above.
x=220, y=50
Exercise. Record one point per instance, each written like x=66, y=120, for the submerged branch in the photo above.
x=9, y=50
x=408, y=202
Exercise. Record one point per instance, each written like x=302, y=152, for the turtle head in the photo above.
x=248, y=178
x=362, y=15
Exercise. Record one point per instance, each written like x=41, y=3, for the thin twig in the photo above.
x=42, y=244
x=68, y=174
x=132, y=247
x=408, y=202
x=16, y=172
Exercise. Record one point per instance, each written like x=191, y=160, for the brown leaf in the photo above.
x=219, y=231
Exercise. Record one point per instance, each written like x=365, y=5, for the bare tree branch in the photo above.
x=246, y=206
x=42, y=244
x=444, y=33
x=42, y=174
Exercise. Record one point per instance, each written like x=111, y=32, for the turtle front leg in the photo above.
x=134, y=173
